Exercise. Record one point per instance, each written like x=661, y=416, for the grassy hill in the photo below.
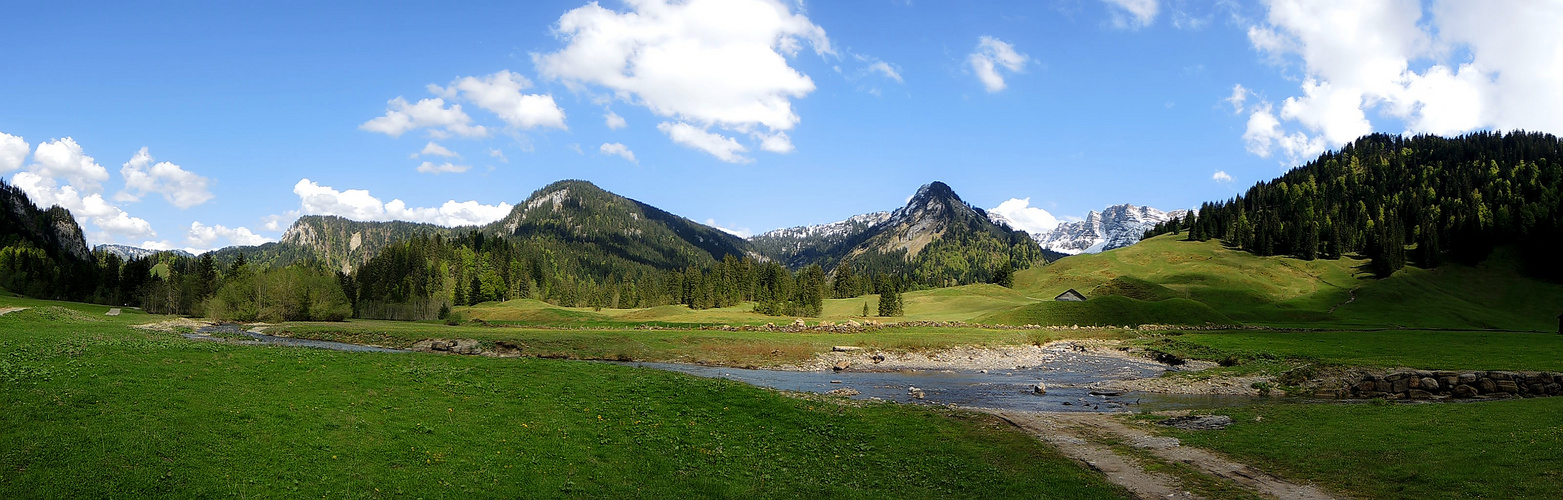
x=1283, y=291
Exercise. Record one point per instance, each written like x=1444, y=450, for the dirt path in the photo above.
x=1079, y=436
x=8, y=310
x=1353, y=298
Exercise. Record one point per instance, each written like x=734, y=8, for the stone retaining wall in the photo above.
x=1441, y=384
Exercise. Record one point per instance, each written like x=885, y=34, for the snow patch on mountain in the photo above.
x=1116, y=226
x=831, y=230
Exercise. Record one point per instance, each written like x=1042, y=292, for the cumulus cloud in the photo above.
x=402, y=117
x=720, y=63
x=614, y=121
x=81, y=191
x=722, y=147
x=64, y=159
x=437, y=150
x=13, y=152
x=429, y=167
x=499, y=155
x=500, y=93
x=991, y=55
x=206, y=237
x=358, y=204
x=619, y=150
x=1221, y=176
x=1487, y=67
x=1026, y=217
x=182, y=188
x=1133, y=14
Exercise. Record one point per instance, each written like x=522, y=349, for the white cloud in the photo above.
x=741, y=232
x=63, y=158
x=885, y=69
x=401, y=117
x=614, y=121
x=1133, y=14
x=1221, y=176
x=992, y=54
x=500, y=93
x=497, y=154
x=358, y=204
x=1487, y=67
x=205, y=237
x=1026, y=217
x=776, y=143
x=1238, y=98
x=722, y=147
x=429, y=167
x=13, y=152
x=182, y=188
x=717, y=63
x=275, y=222
x=618, y=149
x=437, y=150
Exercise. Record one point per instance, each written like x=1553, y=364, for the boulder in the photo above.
x=798, y=323
x=1508, y=387
x=1487, y=386
x=878, y=358
x=1429, y=384
x=1419, y=394
x=1367, y=386
x=852, y=324
x=841, y=366
x=1039, y=389
x=846, y=348
x=844, y=391
x=1198, y=422
x=914, y=392
x=1448, y=381
x=1399, y=386
x=1464, y=391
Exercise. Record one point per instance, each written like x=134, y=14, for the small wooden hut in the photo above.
x=1070, y=295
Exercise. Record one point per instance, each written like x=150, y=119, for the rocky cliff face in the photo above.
x=1116, y=226
x=53, y=230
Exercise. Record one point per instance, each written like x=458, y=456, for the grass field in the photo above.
x=1498, y=449
x=96, y=409
x=1283, y=291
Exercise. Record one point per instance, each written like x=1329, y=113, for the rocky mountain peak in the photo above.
x=1116, y=226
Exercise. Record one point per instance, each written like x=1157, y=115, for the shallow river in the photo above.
x=1068, y=385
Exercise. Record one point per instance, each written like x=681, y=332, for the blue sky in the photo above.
x=197, y=125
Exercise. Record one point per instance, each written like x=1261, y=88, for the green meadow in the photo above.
x=95, y=408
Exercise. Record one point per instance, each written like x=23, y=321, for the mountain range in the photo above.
x=1116, y=226
x=580, y=216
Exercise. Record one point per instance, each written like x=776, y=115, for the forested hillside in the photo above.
x=1425, y=199
x=42, y=252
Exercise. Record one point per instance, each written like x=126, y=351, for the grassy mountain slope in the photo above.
x=1284, y=291
x=598, y=222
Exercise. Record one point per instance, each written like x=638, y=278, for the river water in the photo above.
x=1070, y=384
x=204, y=333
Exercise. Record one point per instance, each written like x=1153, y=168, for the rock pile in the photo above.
x=1439, y=384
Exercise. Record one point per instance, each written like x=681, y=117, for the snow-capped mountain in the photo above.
x=836, y=229
x=126, y=252
x=1116, y=226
